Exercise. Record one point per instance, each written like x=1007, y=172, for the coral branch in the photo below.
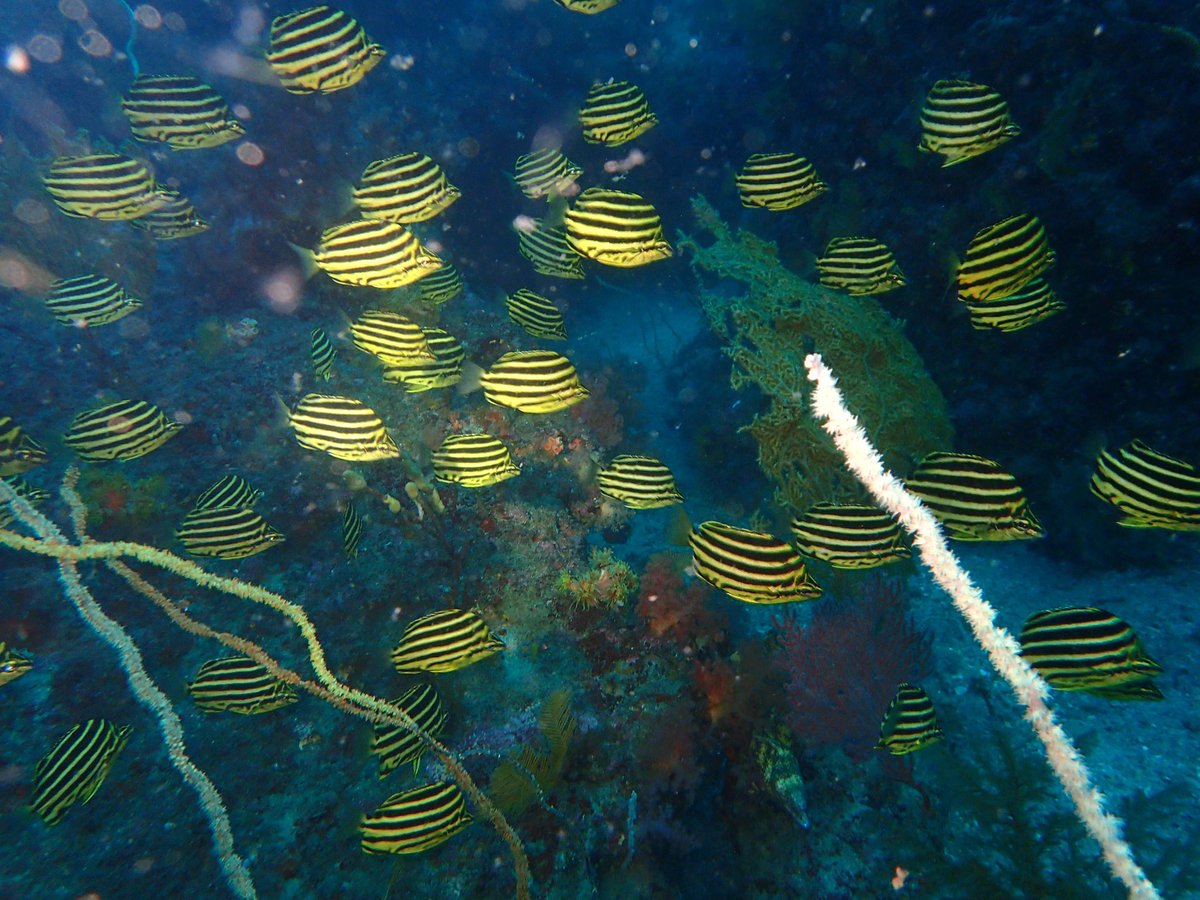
x=52, y=543
x=1003, y=651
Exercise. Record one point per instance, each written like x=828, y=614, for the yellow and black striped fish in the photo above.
x=352, y=529
x=34, y=496
x=444, y=641
x=960, y=120
x=228, y=491
x=1003, y=258
x=238, y=684
x=1083, y=648
x=1152, y=489
x=416, y=820
x=1028, y=306
x=342, y=427
x=442, y=285
x=102, y=186
x=444, y=370
x=12, y=664
x=533, y=381
x=859, y=265
x=226, y=532
x=407, y=188
x=174, y=217
x=587, y=7
x=909, y=723
x=750, y=565
x=615, y=228
x=536, y=314
x=473, y=461
x=89, y=300
x=123, y=430
x=849, y=536
x=615, y=113
x=322, y=354
x=547, y=247
x=391, y=337
x=180, y=111
x=74, y=770
x=373, y=253
x=395, y=745
x=973, y=498
x=545, y=173
x=639, y=482
x=320, y=50
x=18, y=451
x=778, y=182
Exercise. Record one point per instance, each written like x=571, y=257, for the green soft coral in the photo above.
x=770, y=325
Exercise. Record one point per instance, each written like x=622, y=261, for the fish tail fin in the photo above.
x=308, y=260
x=472, y=378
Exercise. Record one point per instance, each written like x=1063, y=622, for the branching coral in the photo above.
x=769, y=326
x=49, y=541
x=607, y=582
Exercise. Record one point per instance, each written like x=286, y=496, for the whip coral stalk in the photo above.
x=864, y=461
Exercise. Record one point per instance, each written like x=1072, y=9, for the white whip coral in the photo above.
x=864, y=461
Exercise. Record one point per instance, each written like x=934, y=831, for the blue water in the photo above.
x=660, y=793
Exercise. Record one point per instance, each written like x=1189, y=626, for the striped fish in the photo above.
x=18, y=451
x=180, y=111
x=536, y=314
x=322, y=354
x=226, y=532
x=749, y=565
x=342, y=427
x=74, y=770
x=615, y=228
x=1003, y=258
x=545, y=173
x=909, y=723
x=228, y=491
x=1152, y=489
x=587, y=7
x=960, y=120
x=12, y=664
x=473, y=461
x=1083, y=648
x=352, y=529
x=1028, y=306
x=444, y=641
x=441, y=285
x=34, y=496
x=778, y=181
x=123, y=430
x=238, y=684
x=373, y=253
x=547, y=247
x=615, y=113
x=1134, y=689
x=102, y=186
x=407, y=188
x=973, y=498
x=849, y=536
x=639, y=482
x=395, y=745
x=444, y=370
x=859, y=265
x=174, y=217
x=391, y=337
x=320, y=50
x=533, y=381
x=416, y=820
x=89, y=300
